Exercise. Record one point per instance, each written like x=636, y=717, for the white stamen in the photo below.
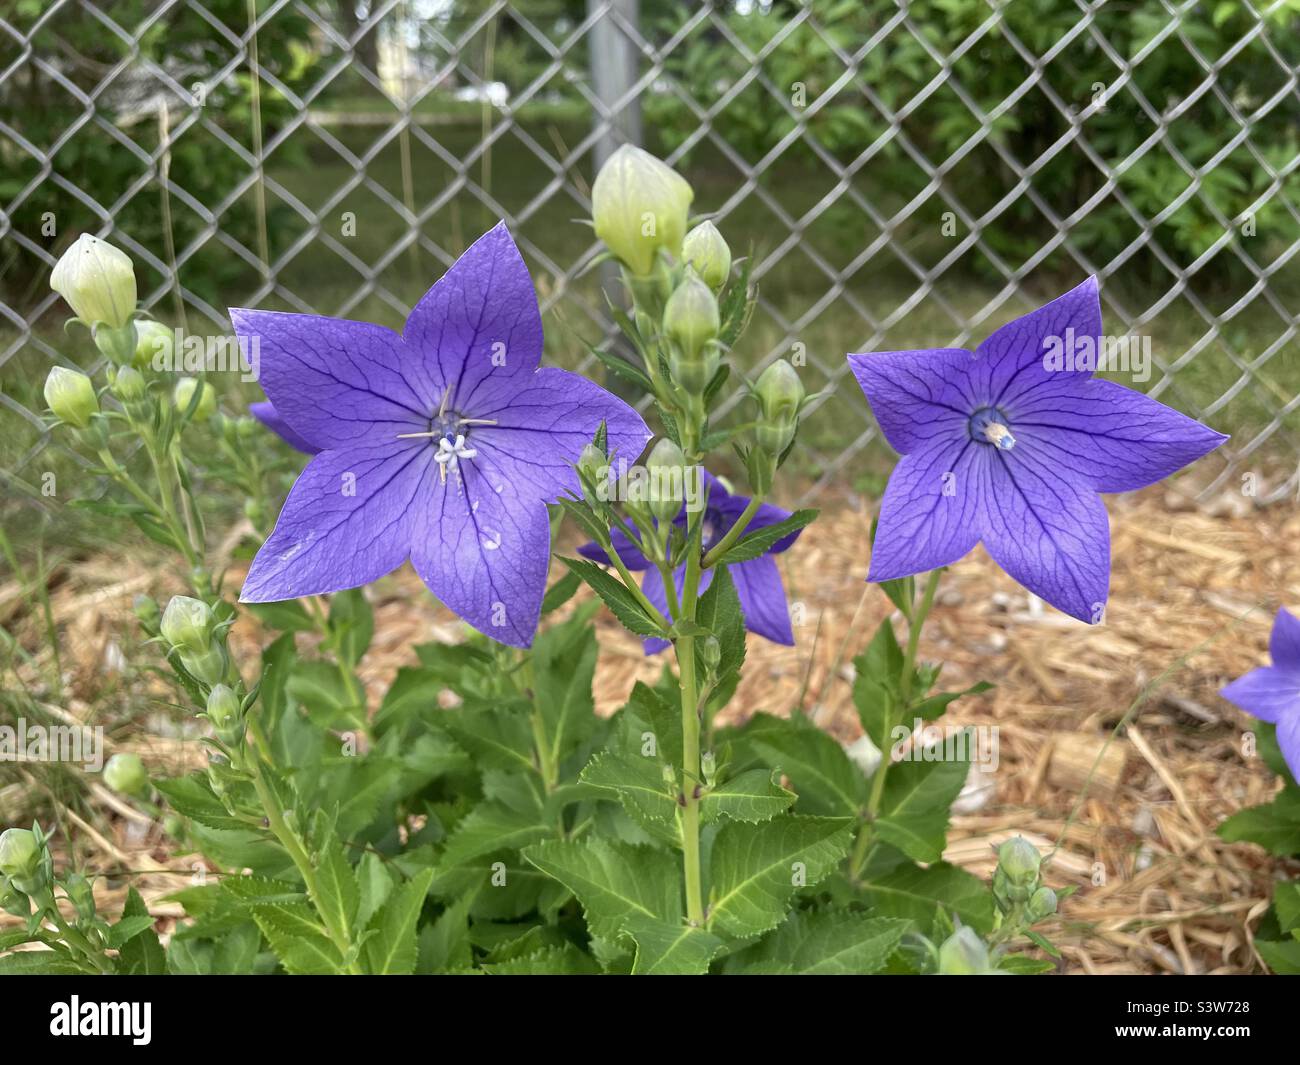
x=1000, y=436
x=449, y=452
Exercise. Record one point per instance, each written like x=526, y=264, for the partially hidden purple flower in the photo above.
x=757, y=581
x=442, y=444
x=1272, y=693
x=1001, y=445
x=266, y=413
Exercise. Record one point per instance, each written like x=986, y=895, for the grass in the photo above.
x=801, y=310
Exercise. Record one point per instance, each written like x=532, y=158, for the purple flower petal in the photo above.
x=917, y=395
x=1268, y=693
x=1010, y=362
x=1288, y=739
x=337, y=383
x=1284, y=641
x=762, y=599
x=1048, y=531
x=480, y=321
x=484, y=550
x=931, y=513
x=348, y=521
x=543, y=426
x=1119, y=439
x=267, y=414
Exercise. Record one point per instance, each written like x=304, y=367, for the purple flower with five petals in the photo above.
x=1003, y=446
x=758, y=580
x=1272, y=693
x=441, y=444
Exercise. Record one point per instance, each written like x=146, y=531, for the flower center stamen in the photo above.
x=989, y=426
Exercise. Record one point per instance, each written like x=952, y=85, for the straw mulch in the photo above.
x=1192, y=595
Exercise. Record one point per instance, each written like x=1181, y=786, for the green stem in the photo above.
x=915, y=622
x=635, y=589
x=733, y=534
x=73, y=938
x=690, y=818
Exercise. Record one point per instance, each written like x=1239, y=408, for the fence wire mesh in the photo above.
x=902, y=174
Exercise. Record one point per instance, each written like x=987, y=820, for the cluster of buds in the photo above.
x=191, y=631
x=1017, y=882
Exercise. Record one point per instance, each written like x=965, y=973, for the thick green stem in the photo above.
x=690, y=817
x=915, y=622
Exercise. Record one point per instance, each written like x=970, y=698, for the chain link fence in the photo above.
x=902, y=174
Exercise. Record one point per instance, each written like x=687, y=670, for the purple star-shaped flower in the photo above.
x=442, y=444
x=1002, y=446
x=758, y=581
x=1272, y=693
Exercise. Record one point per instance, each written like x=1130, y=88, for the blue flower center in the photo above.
x=988, y=425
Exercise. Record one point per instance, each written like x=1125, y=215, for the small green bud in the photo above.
x=13, y=901
x=710, y=653
x=20, y=853
x=209, y=665
x=1019, y=860
x=223, y=708
x=254, y=511
x=963, y=954
x=125, y=773
x=706, y=251
x=691, y=317
x=184, y=393
x=639, y=205
x=591, y=462
x=81, y=892
x=780, y=394
x=118, y=344
x=187, y=623
x=1041, y=905
x=667, y=468
x=71, y=396
x=708, y=767
x=154, y=345
x=98, y=282
x=129, y=385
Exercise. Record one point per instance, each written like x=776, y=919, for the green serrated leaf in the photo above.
x=753, y=796
x=664, y=949
x=756, y=869
x=616, y=596
x=298, y=939
x=821, y=774
x=827, y=943
x=756, y=543
x=915, y=804
x=392, y=949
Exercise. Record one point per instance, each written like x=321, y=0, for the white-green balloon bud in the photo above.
x=964, y=954
x=667, y=468
x=154, y=345
x=210, y=665
x=780, y=395
x=591, y=462
x=1020, y=861
x=692, y=322
x=98, y=282
x=125, y=773
x=187, y=623
x=129, y=385
x=640, y=205
x=223, y=708
x=71, y=396
x=20, y=854
x=706, y=251
x=1041, y=905
x=184, y=393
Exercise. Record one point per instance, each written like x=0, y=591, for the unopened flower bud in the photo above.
x=963, y=954
x=710, y=653
x=706, y=251
x=667, y=468
x=154, y=345
x=184, y=393
x=708, y=767
x=640, y=205
x=1019, y=860
x=187, y=623
x=1041, y=905
x=98, y=282
x=209, y=665
x=129, y=385
x=780, y=394
x=125, y=773
x=20, y=854
x=223, y=708
x=81, y=893
x=591, y=462
x=691, y=317
x=71, y=396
